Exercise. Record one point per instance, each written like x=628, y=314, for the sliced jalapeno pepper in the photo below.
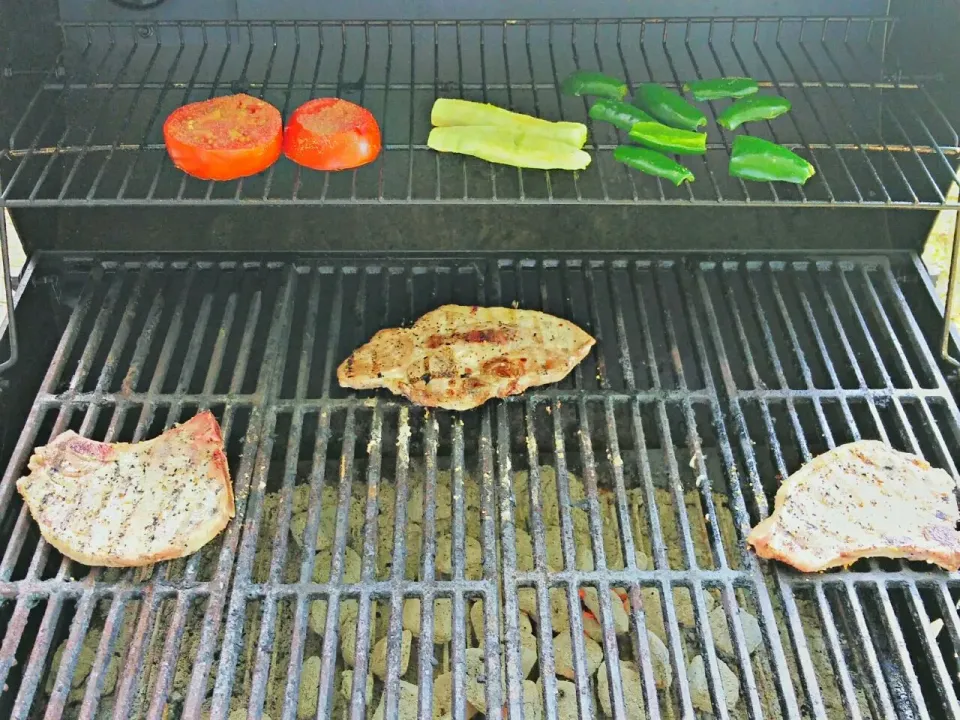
x=668, y=139
x=653, y=163
x=719, y=88
x=761, y=107
x=753, y=158
x=668, y=107
x=619, y=114
x=593, y=83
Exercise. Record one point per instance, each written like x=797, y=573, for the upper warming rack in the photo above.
x=91, y=132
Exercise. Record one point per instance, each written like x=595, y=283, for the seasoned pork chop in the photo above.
x=122, y=505
x=864, y=499
x=457, y=357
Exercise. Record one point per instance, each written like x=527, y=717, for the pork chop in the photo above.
x=457, y=357
x=863, y=499
x=123, y=505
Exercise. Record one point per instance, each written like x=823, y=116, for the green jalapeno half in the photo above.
x=719, y=88
x=760, y=160
x=667, y=139
x=668, y=107
x=593, y=83
x=619, y=114
x=752, y=109
x=653, y=163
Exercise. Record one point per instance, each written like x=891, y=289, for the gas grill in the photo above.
x=742, y=329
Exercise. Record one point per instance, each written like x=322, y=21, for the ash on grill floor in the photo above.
x=583, y=543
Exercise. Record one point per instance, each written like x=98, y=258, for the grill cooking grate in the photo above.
x=91, y=134
x=640, y=473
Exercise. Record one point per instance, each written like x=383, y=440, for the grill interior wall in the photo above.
x=709, y=380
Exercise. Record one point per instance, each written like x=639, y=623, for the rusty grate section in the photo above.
x=574, y=552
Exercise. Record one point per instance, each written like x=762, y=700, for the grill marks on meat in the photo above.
x=863, y=499
x=457, y=357
x=124, y=505
x=498, y=335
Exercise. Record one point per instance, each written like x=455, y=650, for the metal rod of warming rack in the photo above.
x=951, y=289
x=8, y=294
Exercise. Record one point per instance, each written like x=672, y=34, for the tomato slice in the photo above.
x=224, y=138
x=331, y=134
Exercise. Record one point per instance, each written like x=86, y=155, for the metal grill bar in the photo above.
x=18, y=621
x=425, y=669
x=87, y=604
x=876, y=141
x=666, y=441
x=830, y=440
x=894, y=578
x=88, y=599
x=913, y=446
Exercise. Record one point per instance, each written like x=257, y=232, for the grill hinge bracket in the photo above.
x=951, y=291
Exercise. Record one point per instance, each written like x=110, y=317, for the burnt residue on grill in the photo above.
x=583, y=542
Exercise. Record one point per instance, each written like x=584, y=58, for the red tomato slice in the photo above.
x=331, y=134
x=224, y=138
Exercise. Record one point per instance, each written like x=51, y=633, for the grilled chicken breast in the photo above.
x=863, y=499
x=123, y=505
x=457, y=357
